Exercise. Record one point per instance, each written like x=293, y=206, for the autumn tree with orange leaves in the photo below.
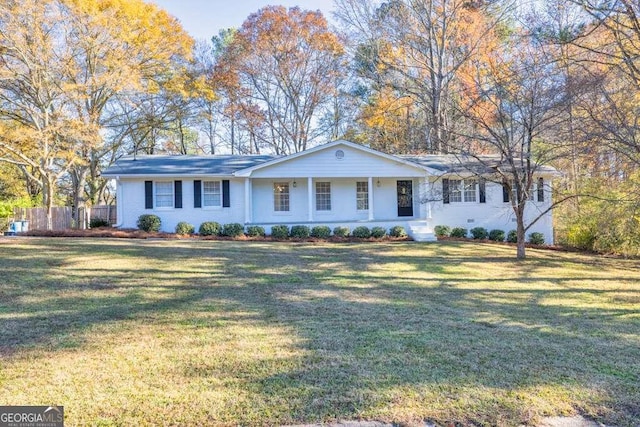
x=416, y=48
x=279, y=70
x=62, y=65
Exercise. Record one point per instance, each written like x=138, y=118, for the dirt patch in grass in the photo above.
x=194, y=332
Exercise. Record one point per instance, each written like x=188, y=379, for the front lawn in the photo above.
x=163, y=332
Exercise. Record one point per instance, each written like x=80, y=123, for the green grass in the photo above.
x=172, y=332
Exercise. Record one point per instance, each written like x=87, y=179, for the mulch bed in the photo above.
x=105, y=232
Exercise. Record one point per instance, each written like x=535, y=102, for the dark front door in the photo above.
x=405, y=198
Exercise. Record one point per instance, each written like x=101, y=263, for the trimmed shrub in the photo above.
x=210, y=228
x=98, y=222
x=512, y=236
x=341, y=231
x=280, y=231
x=185, y=228
x=233, y=230
x=255, y=231
x=459, y=232
x=361, y=232
x=496, y=235
x=397, y=231
x=479, y=233
x=320, y=232
x=536, y=238
x=149, y=223
x=378, y=232
x=300, y=231
x=442, y=230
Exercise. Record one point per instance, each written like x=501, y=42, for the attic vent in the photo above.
x=339, y=154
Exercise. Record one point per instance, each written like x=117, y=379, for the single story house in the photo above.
x=335, y=184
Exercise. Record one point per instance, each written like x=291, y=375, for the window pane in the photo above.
x=470, y=190
x=211, y=193
x=164, y=194
x=455, y=193
x=281, y=196
x=323, y=196
x=362, y=195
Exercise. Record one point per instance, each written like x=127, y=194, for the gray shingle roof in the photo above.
x=184, y=165
x=226, y=165
x=450, y=163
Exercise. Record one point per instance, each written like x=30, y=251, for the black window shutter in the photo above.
x=482, y=184
x=148, y=194
x=445, y=190
x=505, y=192
x=540, y=190
x=197, y=193
x=226, y=197
x=177, y=185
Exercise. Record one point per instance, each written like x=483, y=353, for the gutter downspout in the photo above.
x=119, y=207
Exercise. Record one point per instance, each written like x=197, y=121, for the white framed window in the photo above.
x=455, y=190
x=164, y=194
x=281, y=197
x=463, y=190
x=470, y=186
x=514, y=191
x=362, y=195
x=323, y=196
x=212, y=193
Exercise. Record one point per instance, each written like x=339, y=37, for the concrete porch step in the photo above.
x=420, y=231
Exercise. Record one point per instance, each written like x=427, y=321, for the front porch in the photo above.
x=334, y=200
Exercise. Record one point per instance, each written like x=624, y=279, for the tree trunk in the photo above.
x=47, y=200
x=520, y=253
x=78, y=180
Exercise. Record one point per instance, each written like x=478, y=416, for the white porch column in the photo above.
x=425, y=208
x=310, y=199
x=370, y=194
x=247, y=201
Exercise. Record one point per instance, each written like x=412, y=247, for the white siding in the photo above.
x=494, y=214
x=323, y=163
x=133, y=199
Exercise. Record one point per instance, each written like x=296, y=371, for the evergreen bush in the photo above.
x=98, y=222
x=496, y=235
x=320, y=232
x=459, y=232
x=280, y=231
x=378, y=232
x=397, y=231
x=442, y=230
x=210, y=228
x=300, y=231
x=233, y=230
x=184, y=228
x=255, y=231
x=149, y=223
x=341, y=231
x=361, y=232
x=479, y=233
x=536, y=238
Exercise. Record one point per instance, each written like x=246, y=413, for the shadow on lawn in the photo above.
x=366, y=337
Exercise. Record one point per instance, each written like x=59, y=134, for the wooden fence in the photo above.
x=62, y=217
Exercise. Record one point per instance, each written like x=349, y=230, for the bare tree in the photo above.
x=513, y=105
